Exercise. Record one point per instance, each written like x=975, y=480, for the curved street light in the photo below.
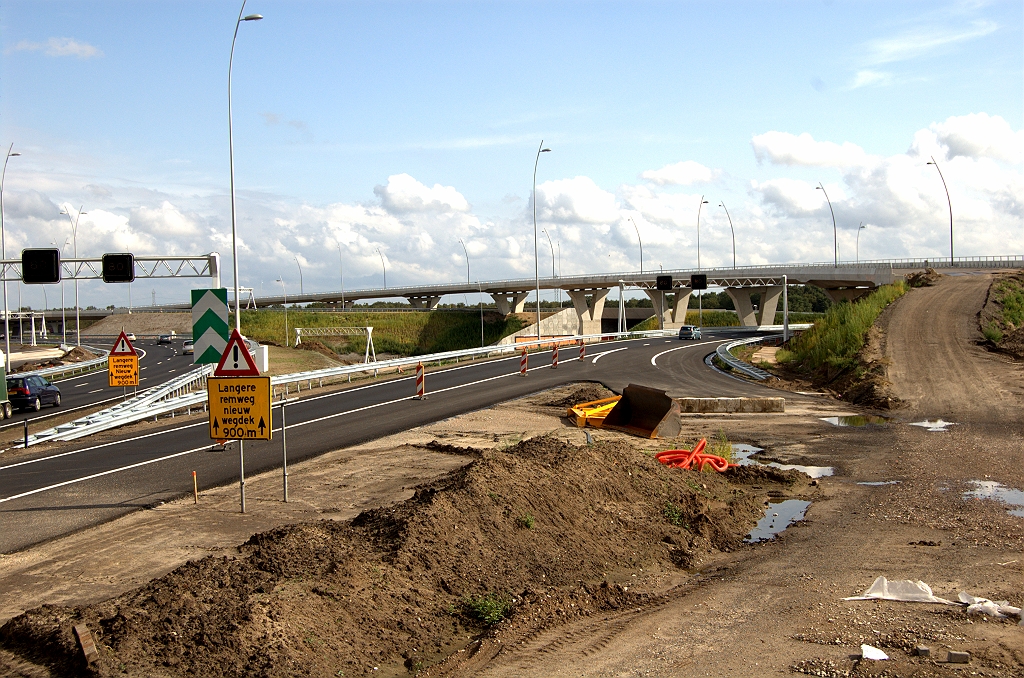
x=722, y=205
x=78, y=267
x=383, y=267
x=552, y=247
x=3, y=255
x=702, y=203
x=301, y=289
x=63, y=313
x=467, y=259
x=231, y=167
x=536, y=251
x=859, y=229
x=950, y=203
x=641, y=244
x=835, y=233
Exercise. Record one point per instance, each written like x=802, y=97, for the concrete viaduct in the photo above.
x=847, y=281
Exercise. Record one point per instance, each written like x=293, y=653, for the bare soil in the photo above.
x=601, y=561
x=141, y=323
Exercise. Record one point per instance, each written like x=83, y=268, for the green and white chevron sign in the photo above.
x=209, y=324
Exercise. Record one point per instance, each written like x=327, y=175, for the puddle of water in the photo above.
x=990, y=489
x=777, y=517
x=856, y=420
x=878, y=483
x=741, y=454
x=937, y=425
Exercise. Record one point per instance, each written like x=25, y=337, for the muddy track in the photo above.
x=937, y=367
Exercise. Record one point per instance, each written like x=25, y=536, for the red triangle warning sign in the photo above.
x=236, y=361
x=122, y=346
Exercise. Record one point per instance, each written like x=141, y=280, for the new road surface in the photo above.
x=83, y=484
x=157, y=363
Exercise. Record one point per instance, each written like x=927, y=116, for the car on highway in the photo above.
x=165, y=338
x=31, y=392
x=689, y=332
x=187, y=347
x=130, y=336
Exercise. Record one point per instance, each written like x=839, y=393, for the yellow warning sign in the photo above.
x=239, y=408
x=122, y=370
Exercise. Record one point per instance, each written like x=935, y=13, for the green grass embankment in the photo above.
x=1008, y=295
x=832, y=345
x=396, y=333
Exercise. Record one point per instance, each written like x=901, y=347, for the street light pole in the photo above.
x=383, y=267
x=231, y=166
x=859, y=229
x=536, y=251
x=3, y=254
x=950, y=203
x=467, y=259
x=641, y=244
x=552, y=248
x=63, y=314
x=722, y=205
x=702, y=203
x=835, y=233
x=301, y=289
x=341, y=267
x=284, y=291
x=78, y=267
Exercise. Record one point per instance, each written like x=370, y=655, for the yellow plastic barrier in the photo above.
x=592, y=413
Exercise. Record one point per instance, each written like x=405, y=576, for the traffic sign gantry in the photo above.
x=123, y=363
x=239, y=398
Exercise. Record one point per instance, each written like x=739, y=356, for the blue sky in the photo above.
x=405, y=126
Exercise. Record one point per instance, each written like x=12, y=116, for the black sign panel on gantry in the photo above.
x=664, y=282
x=40, y=266
x=698, y=281
x=118, y=268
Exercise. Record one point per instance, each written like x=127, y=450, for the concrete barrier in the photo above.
x=731, y=405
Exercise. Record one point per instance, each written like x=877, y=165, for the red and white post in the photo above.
x=421, y=389
x=522, y=364
x=554, y=356
x=583, y=351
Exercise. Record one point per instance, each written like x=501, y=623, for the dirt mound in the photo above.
x=535, y=534
x=925, y=278
x=317, y=347
x=583, y=393
x=141, y=323
x=75, y=355
x=1013, y=343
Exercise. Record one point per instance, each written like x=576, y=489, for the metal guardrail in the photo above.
x=181, y=392
x=735, y=363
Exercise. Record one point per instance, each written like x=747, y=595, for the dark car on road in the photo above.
x=689, y=332
x=31, y=392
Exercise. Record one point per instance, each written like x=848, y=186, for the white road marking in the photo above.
x=654, y=358
x=96, y=391
x=598, y=356
x=81, y=385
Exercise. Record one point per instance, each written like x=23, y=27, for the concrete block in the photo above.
x=731, y=405
x=958, y=657
x=923, y=651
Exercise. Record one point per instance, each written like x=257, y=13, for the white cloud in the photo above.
x=58, y=47
x=979, y=135
x=405, y=194
x=576, y=200
x=922, y=42
x=681, y=174
x=783, y=148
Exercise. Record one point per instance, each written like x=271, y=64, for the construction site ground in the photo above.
x=604, y=562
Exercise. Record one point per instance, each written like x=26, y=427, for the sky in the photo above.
x=403, y=127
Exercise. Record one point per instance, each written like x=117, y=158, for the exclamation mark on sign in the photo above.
x=235, y=351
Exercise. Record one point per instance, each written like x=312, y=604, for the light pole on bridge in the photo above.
x=641, y=244
x=78, y=268
x=383, y=268
x=722, y=205
x=859, y=229
x=950, y=203
x=702, y=203
x=835, y=233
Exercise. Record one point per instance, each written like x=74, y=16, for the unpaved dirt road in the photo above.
x=765, y=609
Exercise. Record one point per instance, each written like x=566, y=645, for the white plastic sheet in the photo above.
x=1000, y=609
x=902, y=590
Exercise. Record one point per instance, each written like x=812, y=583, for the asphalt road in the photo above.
x=157, y=363
x=56, y=494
